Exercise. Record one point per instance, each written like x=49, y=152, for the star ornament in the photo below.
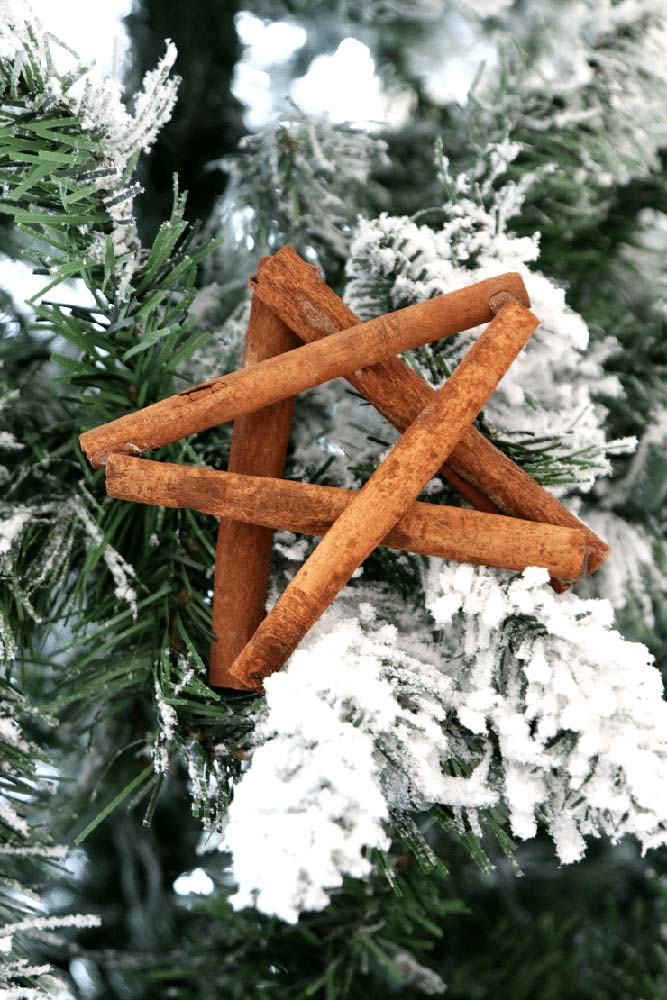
x=301, y=334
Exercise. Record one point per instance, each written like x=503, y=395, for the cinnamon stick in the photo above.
x=243, y=550
x=202, y=406
x=430, y=529
x=483, y=474
x=392, y=488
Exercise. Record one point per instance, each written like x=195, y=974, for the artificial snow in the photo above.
x=575, y=710
x=120, y=569
x=528, y=699
x=12, y=527
x=98, y=102
x=9, y=442
x=39, y=924
x=310, y=805
x=547, y=393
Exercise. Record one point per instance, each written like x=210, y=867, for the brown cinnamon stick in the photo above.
x=392, y=488
x=243, y=550
x=430, y=529
x=486, y=477
x=202, y=406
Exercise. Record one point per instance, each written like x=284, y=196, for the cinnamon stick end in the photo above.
x=261, y=264
x=114, y=473
x=250, y=669
x=595, y=556
x=500, y=299
x=513, y=289
x=98, y=456
x=287, y=257
x=95, y=460
x=277, y=637
x=220, y=677
x=264, y=654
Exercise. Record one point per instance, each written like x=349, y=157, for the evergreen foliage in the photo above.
x=206, y=123
x=435, y=682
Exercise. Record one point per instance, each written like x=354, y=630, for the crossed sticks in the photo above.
x=291, y=304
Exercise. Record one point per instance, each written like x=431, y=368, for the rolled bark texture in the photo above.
x=481, y=473
x=243, y=550
x=275, y=378
x=425, y=528
x=390, y=491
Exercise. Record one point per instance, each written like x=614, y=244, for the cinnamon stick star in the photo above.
x=392, y=488
x=290, y=298
x=487, y=478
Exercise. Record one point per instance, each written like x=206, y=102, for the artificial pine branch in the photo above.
x=126, y=676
